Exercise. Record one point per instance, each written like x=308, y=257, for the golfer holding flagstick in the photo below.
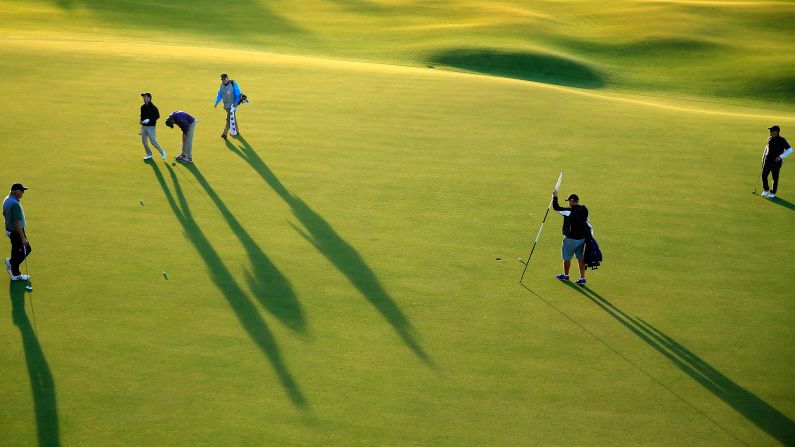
x=576, y=228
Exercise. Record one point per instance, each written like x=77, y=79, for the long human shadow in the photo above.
x=336, y=249
x=244, y=309
x=785, y=203
x=271, y=288
x=41, y=382
x=756, y=410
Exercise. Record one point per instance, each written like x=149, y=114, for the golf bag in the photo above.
x=232, y=119
x=593, y=255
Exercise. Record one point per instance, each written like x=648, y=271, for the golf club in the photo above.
x=25, y=251
x=526, y=264
x=761, y=170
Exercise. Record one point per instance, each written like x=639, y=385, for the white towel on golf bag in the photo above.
x=232, y=121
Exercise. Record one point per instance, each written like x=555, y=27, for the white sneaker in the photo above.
x=20, y=278
x=148, y=157
x=764, y=193
x=771, y=196
x=8, y=267
x=163, y=155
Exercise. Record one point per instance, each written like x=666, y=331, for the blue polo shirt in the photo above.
x=12, y=211
x=183, y=120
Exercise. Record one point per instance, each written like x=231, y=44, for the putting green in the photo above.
x=332, y=276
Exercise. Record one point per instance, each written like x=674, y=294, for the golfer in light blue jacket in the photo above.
x=229, y=93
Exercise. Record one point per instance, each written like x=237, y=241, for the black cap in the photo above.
x=170, y=122
x=146, y=94
x=224, y=76
x=18, y=187
x=776, y=128
x=573, y=197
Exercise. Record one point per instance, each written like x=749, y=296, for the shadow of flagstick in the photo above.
x=338, y=251
x=636, y=366
x=270, y=287
x=41, y=381
x=754, y=409
x=762, y=414
x=244, y=309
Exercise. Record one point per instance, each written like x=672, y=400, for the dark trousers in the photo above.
x=771, y=167
x=18, y=252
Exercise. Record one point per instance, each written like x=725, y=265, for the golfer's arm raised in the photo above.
x=559, y=209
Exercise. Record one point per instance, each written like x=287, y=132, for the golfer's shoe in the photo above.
x=764, y=193
x=223, y=135
x=8, y=267
x=163, y=155
x=185, y=160
x=771, y=196
x=148, y=157
x=562, y=276
x=20, y=278
x=580, y=281
x=179, y=157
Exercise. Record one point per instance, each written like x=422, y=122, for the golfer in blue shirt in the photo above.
x=187, y=123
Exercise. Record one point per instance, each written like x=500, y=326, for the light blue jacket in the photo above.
x=221, y=92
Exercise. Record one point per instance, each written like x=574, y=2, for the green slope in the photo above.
x=726, y=49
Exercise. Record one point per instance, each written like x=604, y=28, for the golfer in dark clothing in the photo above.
x=776, y=151
x=149, y=116
x=15, y=230
x=576, y=229
x=187, y=123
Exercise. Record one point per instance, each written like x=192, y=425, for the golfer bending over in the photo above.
x=576, y=229
x=187, y=124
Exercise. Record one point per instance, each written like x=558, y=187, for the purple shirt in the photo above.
x=183, y=120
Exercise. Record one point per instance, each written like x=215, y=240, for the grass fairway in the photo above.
x=332, y=278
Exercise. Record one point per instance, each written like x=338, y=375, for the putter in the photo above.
x=761, y=170
x=28, y=287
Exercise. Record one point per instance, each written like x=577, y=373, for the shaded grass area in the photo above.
x=271, y=288
x=241, y=18
x=42, y=384
x=756, y=410
x=339, y=252
x=677, y=47
x=244, y=309
x=528, y=66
